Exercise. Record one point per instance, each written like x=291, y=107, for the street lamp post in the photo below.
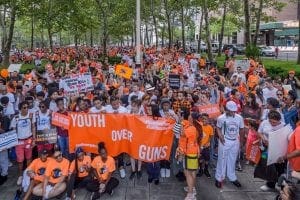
x=138, y=58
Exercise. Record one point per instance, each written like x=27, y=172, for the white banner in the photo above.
x=8, y=140
x=77, y=83
x=278, y=143
x=14, y=67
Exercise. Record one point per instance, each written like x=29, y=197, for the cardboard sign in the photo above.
x=123, y=71
x=212, y=110
x=143, y=138
x=244, y=64
x=278, y=143
x=77, y=83
x=8, y=140
x=174, y=81
x=60, y=120
x=48, y=136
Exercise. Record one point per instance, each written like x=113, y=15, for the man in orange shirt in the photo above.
x=36, y=171
x=78, y=173
x=54, y=184
x=208, y=133
x=103, y=168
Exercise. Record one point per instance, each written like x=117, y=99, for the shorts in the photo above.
x=24, y=148
x=47, y=147
x=205, y=154
x=190, y=162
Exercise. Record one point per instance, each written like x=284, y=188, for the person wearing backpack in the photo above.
x=24, y=124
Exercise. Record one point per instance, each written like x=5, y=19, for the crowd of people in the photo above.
x=251, y=105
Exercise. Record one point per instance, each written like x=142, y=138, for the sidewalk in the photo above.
x=168, y=189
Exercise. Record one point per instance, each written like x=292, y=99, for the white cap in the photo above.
x=231, y=106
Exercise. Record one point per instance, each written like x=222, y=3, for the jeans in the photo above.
x=153, y=170
x=63, y=144
x=94, y=185
x=4, y=162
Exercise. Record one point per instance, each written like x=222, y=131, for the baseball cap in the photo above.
x=231, y=106
x=44, y=152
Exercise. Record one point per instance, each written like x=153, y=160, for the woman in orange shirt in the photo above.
x=78, y=172
x=189, y=148
x=103, y=167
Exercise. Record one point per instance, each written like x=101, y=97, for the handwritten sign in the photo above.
x=48, y=136
x=123, y=71
x=212, y=110
x=244, y=64
x=8, y=140
x=174, y=81
x=60, y=120
x=77, y=83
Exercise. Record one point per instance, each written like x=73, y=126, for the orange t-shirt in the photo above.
x=82, y=165
x=253, y=81
x=208, y=132
x=103, y=169
x=294, y=144
x=188, y=141
x=55, y=170
x=38, y=167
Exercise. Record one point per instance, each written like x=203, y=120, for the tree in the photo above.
x=207, y=30
x=247, y=22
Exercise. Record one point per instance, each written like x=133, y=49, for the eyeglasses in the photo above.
x=42, y=106
x=25, y=107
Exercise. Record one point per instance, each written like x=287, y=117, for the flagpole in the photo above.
x=138, y=58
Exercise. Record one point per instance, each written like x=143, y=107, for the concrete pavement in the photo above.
x=168, y=189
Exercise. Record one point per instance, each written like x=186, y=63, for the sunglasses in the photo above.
x=42, y=106
x=25, y=107
x=279, y=94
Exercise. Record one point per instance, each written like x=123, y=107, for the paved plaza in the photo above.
x=168, y=189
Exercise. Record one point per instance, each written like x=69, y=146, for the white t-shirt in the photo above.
x=53, y=106
x=43, y=120
x=230, y=126
x=23, y=125
x=10, y=96
x=139, y=94
x=9, y=109
x=95, y=110
x=267, y=93
x=121, y=109
x=265, y=128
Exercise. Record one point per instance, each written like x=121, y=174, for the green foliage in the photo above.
x=252, y=51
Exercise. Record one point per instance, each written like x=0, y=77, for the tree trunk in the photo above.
x=154, y=23
x=247, y=22
x=200, y=32
x=169, y=23
x=91, y=37
x=163, y=36
x=3, y=27
x=182, y=28
x=50, y=38
x=258, y=16
x=105, y=34
x=8, y=42
x=60, y=39
x=147, y=36
x=222, y=29
x=207, y=30
x=32, y=29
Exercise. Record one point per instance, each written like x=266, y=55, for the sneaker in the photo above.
x=190, y=196
x=122, y=173
x=200, y=173
x=10, y=164
x=236, y=183
x=168, y=173
x=95, y=195
x=132, y=175
x=20, y=179
x=207, y=174
x=218, y=184
x=150, y=180
x=156, y=181
x=139, y=174
x=238, y=167
x=3, y=179
x=186, y=189
x=111, y=192
x=265, y=188
x=163, y=172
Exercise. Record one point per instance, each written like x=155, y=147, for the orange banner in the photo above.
x=142, y=137
x=212, y=110
x=123, y=71
x=60, y=120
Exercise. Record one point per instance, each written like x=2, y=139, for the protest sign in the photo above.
x=14, y=67
x=278, y=143
x=287, y=87
x=244, y=64
x=8, y=140
x=60, y=120
x=212, y=110
x=143, y=138
x=123, y=71
x=174, y=81
x=48, y=136
x=76, y=83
